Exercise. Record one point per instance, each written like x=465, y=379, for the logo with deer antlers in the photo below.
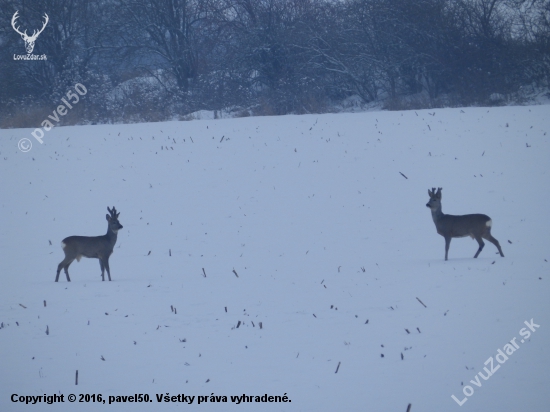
x=29, y=40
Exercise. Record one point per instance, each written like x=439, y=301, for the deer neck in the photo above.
x=437, y=214
x=111, y=235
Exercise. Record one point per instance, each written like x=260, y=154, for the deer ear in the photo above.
x=108, y=218
x=430, y=193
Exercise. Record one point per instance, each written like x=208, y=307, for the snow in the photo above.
x=335, y=251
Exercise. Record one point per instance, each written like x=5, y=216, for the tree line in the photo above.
x=150, y=60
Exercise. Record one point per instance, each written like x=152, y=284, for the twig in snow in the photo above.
x=421, y=302
x=203, y=272
x=235, y=273
x=338, y=367
x=403, y=175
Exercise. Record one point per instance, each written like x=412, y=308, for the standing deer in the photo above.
x=99, y=247
x=477, y=226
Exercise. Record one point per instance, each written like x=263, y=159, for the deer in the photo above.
x=29, y=40
x=477, y=226
x=98, y=247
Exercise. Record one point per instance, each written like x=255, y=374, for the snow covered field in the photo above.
x=319, y=257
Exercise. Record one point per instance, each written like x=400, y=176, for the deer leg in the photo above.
x=106, y=263
x=59, y=267
x=447, y=244
x=491, y=239
x=102, y=266
x=481, y=244
x=64, y=265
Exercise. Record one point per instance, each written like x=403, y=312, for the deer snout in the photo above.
x=427, y=205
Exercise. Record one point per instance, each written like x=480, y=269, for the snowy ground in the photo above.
x=334, y=249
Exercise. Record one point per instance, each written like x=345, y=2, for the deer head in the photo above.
x=435, y=199
x=29, y=40
x=114, y=224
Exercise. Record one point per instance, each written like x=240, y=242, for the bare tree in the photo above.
x=175, y=34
